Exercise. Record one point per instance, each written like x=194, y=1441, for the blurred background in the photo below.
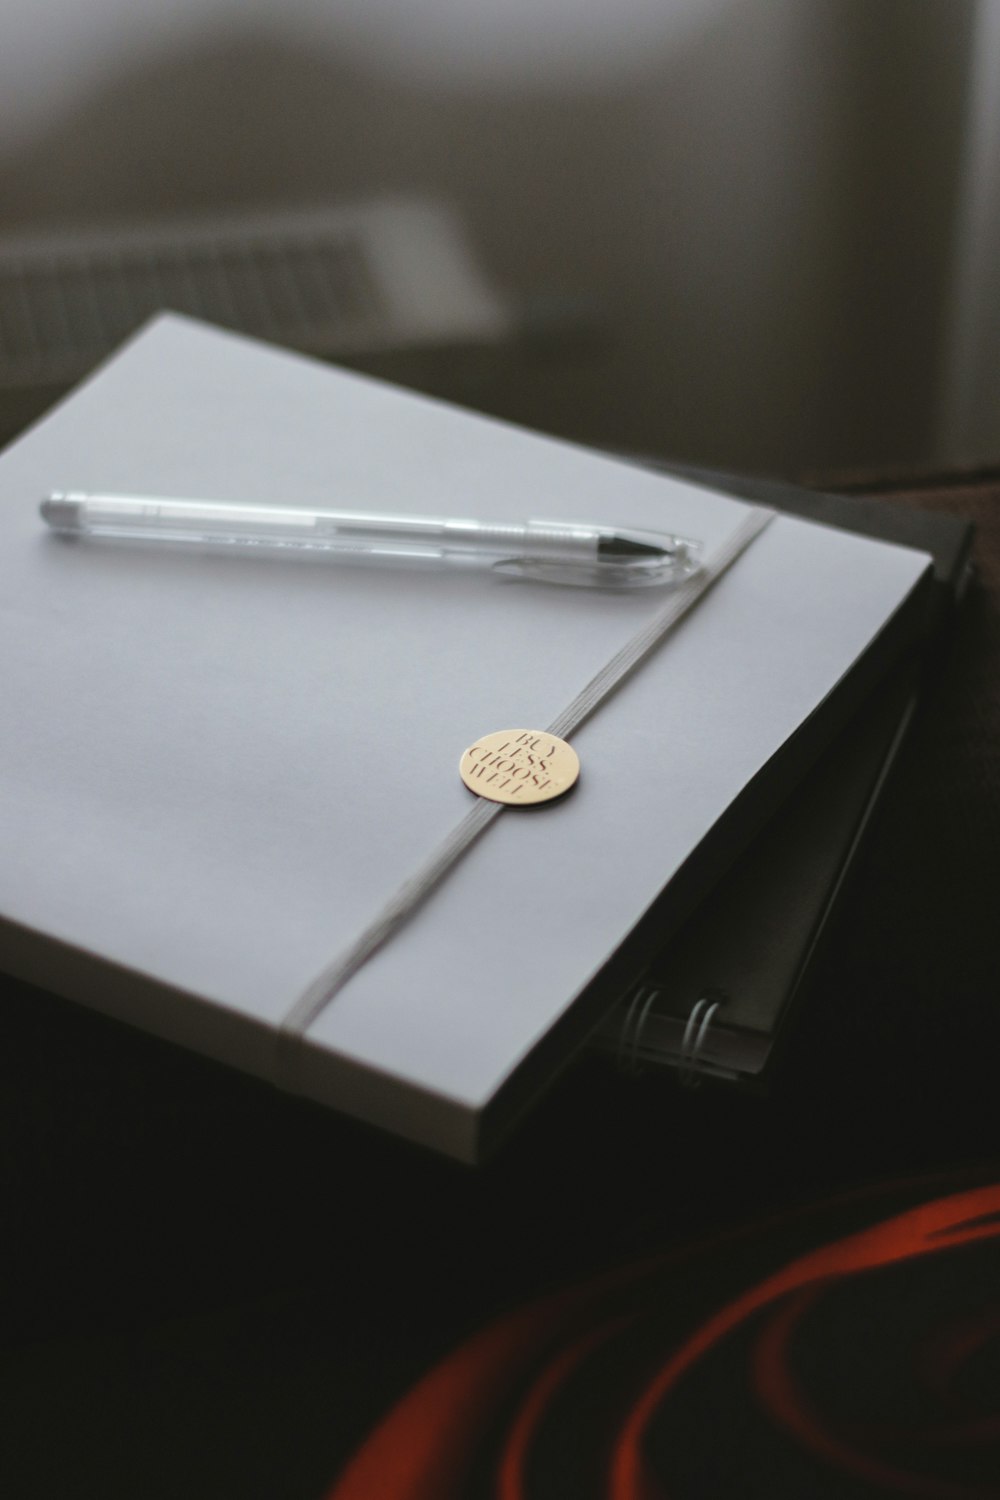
x=753, y=234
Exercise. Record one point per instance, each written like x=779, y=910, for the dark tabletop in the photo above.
x=214, y=1290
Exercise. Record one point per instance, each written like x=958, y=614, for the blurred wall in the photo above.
x=757, y=196
x=971, y=405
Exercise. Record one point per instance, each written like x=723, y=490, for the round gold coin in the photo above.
x=519, y=766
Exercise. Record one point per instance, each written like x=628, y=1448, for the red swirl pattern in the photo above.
x=866, y=1364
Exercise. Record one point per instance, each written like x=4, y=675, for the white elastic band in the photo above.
x=414, y=892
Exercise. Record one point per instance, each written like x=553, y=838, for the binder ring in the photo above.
x=639, y=1007
x=695, y=1032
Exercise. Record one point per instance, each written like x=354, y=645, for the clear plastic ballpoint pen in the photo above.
x=553, y=551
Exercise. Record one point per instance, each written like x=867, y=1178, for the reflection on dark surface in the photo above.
x=769, y=1362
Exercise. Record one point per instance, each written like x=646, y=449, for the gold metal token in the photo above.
x=519, y=766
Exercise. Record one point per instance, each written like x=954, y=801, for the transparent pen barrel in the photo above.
x=208, y=522
x=554, y=551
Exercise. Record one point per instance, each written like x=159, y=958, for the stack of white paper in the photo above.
x=217, y=770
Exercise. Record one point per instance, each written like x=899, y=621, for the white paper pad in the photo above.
x=216, y=770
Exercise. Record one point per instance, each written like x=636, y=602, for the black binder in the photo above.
x=715, y=999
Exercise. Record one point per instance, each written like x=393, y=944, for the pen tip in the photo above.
x=624, y=548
